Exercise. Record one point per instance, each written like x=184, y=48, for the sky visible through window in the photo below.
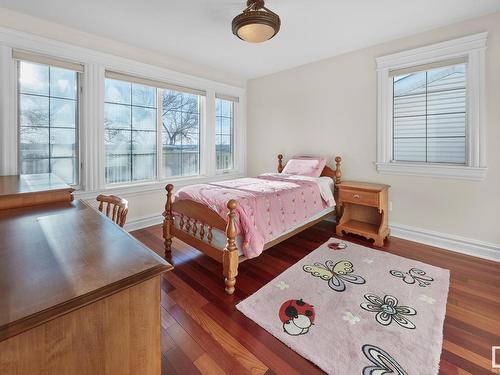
x=224, y=110
x=130, y=131
x=48, y=120
x=180, y=133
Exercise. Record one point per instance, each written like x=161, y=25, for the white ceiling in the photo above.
x=199, y=31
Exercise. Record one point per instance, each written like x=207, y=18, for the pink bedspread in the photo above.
x=268, y=205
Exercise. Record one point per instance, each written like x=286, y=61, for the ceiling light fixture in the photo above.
x=256, y=23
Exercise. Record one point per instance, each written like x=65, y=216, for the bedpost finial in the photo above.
x=231, y=204
x=168, y=203
x=338, y=172
x=280, y=163
x=280, y=157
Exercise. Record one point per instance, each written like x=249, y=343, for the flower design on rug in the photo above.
x=282, y=285
x=413, y=275
x=383, y=363
x=335, y=273
x=297, y=316
x=388, y=310
x=351, y=318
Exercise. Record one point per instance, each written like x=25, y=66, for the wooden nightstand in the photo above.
x=365, y=210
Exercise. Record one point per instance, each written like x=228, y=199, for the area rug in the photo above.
x=354, y=310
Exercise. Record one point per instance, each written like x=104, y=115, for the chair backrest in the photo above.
x=114, y=207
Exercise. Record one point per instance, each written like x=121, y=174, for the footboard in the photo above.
x=195, y=223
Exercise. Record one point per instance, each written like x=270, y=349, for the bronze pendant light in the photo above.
x=256, y=23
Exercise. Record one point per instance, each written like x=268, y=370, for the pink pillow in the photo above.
x=305, y=166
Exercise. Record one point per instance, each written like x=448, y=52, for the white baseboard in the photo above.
x=447, y=241
x=143, y=222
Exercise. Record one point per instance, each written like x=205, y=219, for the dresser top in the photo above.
x=59, y=257
x=367, y=186
x=30, y=183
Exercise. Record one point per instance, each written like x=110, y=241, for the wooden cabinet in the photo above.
x=78, y=294
x=32, y=190
x=365, y=210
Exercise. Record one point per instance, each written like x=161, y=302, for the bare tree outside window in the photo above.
x=48, y=114
x=180, y=133
x=130, y=131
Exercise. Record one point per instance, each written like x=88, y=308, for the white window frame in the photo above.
x=160, y=87
x=91, y=126
x=157, y=149
x=236, y=132
x=50, y=62
x=202, y=126
x=473, y=48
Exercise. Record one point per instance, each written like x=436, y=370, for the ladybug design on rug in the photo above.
x=337, y=245
x=297, y=316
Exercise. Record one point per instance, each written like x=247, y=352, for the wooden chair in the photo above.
x=116, y=208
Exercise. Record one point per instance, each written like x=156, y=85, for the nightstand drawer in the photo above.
x=366, y=198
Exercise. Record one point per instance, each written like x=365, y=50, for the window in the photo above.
x=48, y=119
x=149, y=123
x=224, y=133
x=68, y=111
x=430, y=115
x=431, y=110
x=180, y=133
x=129, y=131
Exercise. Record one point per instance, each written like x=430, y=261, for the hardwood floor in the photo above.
x=202, y=332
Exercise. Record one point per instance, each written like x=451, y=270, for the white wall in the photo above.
x=37, y=26
x=329, y=107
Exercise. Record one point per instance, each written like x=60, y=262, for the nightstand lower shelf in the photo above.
x=364, y=229
x=360, y=227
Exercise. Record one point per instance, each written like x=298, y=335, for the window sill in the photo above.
x=154, y=186
x=224, y=172
x=458, y=172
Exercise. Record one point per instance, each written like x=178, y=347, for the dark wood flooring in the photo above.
x=203, y=333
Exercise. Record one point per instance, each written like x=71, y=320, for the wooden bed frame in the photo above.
x=197, y=221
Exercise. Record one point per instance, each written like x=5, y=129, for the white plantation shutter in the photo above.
x=21, y=55
x=229, y=98
x=425, y=67
x=152, y=83
x=430, y=114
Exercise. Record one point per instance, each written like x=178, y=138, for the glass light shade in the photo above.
x=256, y=32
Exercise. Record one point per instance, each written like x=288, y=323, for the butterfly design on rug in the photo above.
x=383, y=363
x=412, y=276
x=337, y=274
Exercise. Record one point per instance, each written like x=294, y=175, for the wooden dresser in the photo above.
x=79, y=295
x=365, y=210
x=33, y=189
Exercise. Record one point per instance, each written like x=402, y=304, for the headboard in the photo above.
x=327, y=171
